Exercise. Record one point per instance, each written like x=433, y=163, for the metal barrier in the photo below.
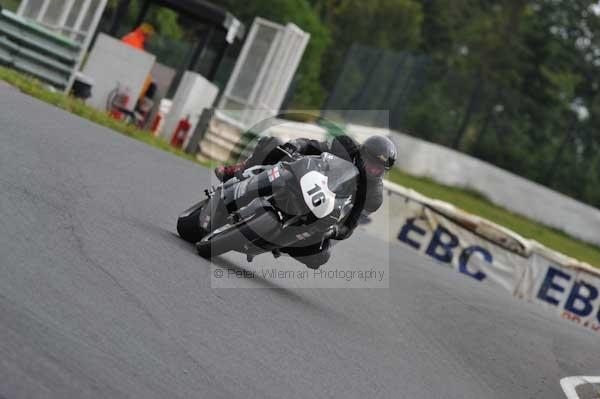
x=48, y=38
x=223, y=138
x=36, y=51
x=73, y=19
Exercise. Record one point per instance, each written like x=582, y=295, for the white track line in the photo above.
x=569, y=384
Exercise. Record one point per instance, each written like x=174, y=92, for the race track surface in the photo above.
x=100, y=299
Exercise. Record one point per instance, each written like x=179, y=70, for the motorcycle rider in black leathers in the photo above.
x=372, y=158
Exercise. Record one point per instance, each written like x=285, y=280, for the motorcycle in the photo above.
x=294, y=203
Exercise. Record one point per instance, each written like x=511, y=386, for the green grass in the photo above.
x=466, y=199
x=474, y=202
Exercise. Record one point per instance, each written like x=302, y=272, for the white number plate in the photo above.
x=319, y=199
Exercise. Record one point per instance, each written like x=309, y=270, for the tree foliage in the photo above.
x=532, y=68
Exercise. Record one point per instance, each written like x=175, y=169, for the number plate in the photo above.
x=319, y=199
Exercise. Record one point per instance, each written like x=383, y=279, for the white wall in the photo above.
x=112, y=63
x=508, y=190
x=193, y=95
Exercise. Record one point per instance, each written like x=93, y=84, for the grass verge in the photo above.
x=468, y=200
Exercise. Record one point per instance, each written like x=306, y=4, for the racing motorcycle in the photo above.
x=294, y=203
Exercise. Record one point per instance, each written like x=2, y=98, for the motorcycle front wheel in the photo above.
x=188, y=224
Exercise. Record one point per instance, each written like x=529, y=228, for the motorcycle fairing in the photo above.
x=317, y=195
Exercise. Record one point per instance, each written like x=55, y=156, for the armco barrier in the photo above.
x=490, y=254
x=217, y=138
x=223, y=139
x=34, y=50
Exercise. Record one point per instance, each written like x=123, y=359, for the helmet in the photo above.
x=378, y=155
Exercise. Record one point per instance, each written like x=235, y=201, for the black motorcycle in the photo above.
x=295, y=203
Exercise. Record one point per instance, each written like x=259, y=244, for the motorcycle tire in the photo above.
x=188, y=226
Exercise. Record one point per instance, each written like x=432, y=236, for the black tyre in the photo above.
x=188, y=225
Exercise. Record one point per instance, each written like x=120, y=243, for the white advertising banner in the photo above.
x=570, y=292
x=491, y=255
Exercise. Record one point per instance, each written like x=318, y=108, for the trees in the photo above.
x=514, y=83
x=386, y=24
x=538, y=62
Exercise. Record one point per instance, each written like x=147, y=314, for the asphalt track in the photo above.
x=100, y=299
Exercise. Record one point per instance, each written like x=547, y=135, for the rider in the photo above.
x=372, y=158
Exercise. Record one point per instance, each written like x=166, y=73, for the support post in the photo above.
x=86, y=42
x=201, y=47
x=65, y=13
x=42, y=11
x=81, y=17
x=22, y=7
x=217, y=62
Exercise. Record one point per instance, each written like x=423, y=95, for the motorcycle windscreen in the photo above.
x=342, y=175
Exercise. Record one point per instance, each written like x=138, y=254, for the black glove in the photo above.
x=341, y=232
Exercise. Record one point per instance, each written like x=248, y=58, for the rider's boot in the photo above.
x=225, y=173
